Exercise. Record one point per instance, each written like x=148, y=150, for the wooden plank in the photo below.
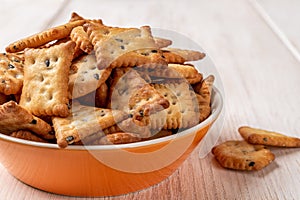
x=283, y=17
x=20, y=18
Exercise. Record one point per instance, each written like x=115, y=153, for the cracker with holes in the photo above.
x=44, y=37
x=183, y=111
x=175, y=55
x=11, y=74
x=84, y=121
x=87, y=77
x=203, y=94
x=45, y=90
x=111, y=42
x=14, y=117
x=269, y=138
x=241, y=155
x=134, y=95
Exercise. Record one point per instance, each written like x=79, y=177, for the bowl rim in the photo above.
x=217, y=106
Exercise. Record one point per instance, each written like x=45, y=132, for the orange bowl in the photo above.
x=105, y=170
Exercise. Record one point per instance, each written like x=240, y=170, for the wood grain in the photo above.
x=259, y=74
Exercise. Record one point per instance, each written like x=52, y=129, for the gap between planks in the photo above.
x=275, y=28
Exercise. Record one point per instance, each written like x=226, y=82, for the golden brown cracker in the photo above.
x=175, y=55
x=81, y=38
x=14, y=117
x=110, y=42
x=269, y=138
x=11, y=74
x=203, y=94
x=131, y=93
x=119, y=138
x=174, y=71
x=241, y=155
x=96, y=98
x=44, y=37
x=45, y=90
x=84, y=121
x=162, y=42
x=27, y=135
x=87, y=77
x=183, y=111
x=147, y=58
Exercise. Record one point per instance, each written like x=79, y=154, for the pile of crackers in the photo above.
x=84, y=82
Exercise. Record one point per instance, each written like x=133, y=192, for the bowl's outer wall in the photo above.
x=79, y=173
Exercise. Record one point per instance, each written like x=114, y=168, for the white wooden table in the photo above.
x=255, y=46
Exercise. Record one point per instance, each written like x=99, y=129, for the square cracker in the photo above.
x=11, y=74
x=240, y=155
x=112, y=42
x=14, y=117
x=87, y=77
x=45, y=90
x=183, y=111
x=131, y=93
x=84, y=121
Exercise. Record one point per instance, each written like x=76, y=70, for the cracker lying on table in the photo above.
x=131, y=93
x=84, y=121
x=110, y=42
x=45, y=90
x=174, y=55
x=270, y=138
x=183, y=111
x=14, y=117
x=27, y=135
x=241, y=155
x=11, y=74
x=87, y=77
x=44, y=37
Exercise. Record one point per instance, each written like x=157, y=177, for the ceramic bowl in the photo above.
x=105, y=170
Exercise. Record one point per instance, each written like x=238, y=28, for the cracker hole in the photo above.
x=169, y=112
x=55, y=59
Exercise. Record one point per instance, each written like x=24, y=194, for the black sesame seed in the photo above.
x=119, y=40
x=154, y=51
x=10, y=66
x=141, y=112
x=51, y=132
x=265, y=139
x=130, y=115
x=47, y=62
x=33, y=121
x=251, y=164
x=96, y=76
x=69, y=138
x=122, y=47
